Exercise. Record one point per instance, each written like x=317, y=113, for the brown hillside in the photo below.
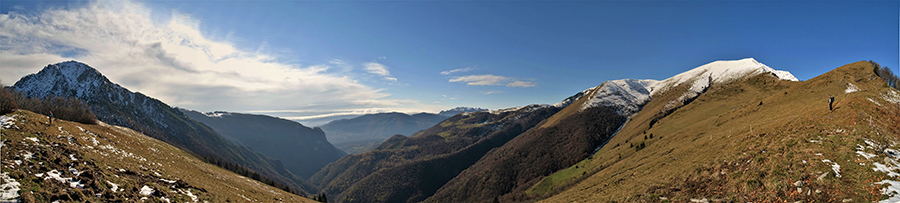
x=511, y=169
x=760, y=139
x=410, y=169
x=75, y=162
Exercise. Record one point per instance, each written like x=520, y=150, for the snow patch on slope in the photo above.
x=9, y=190
x=146, y=191
x=7, y=121
x=217, y=114
x=891, y=96
x=851, y=88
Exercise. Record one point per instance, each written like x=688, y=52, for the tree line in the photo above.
x=70, y=109
x=886, y=74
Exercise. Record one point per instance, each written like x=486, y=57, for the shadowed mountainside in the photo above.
x=410, y=169
x=303, y=150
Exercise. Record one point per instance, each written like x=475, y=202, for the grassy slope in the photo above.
x=101, y=151
x=509, y=170
x=706, y=149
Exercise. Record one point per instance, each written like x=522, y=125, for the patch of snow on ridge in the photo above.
x=146, y=191
x=9, y=190
x=566, y=102
x=851, y=88
x=217, y=114
x=891, y=96
x=528, y=108
x=114, y=188
x=835, y=167
x=7, y=121
x=627, y=94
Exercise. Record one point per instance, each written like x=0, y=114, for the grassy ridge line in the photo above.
x=707, y=150
x=119, y=155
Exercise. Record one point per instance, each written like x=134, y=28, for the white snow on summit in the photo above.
x=61, y=77
x=627, y=94
x=719, y=72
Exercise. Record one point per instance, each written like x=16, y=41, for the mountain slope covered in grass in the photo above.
x=301, y=149
x=74, y=162
x=758, y=139
x=574, y=133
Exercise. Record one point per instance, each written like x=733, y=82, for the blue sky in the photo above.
x=390, y=55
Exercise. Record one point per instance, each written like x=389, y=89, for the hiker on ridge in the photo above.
x=50, y=117
x=830, y=102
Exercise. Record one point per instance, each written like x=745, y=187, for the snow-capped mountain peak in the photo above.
x=66, y=78
x=723, y=71
x=629, y=95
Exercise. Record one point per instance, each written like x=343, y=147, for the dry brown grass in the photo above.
x=102, y=151
x=706, y=149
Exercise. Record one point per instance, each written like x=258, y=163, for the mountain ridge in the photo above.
x=117, y=105
x=796, y=149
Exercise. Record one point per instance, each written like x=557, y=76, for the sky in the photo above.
x=315, y=61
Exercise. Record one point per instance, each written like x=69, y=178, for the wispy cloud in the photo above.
x=518, y=83
x=458, y=70
x=481, y=80
x=120, y=40
x=379, y=69
x=492, y=92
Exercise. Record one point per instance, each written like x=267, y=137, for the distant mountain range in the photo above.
x=301, y=149
x=363, y=133
x=117, y=105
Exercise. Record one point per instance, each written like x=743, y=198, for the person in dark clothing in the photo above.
x=831, y=103
x=50, y=117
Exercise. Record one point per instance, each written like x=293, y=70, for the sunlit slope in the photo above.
x=104, y=163
x=759, y=139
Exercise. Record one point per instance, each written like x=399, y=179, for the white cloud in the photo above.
x=521, y=84
x=481, y=80
x=341, y=64
x=493, y=92
x=379, y=69
x=174, y=62
x=460, y=70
